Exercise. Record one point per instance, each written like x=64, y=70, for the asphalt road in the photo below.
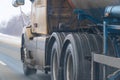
x=11, y=66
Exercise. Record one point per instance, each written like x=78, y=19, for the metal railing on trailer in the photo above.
x=111, y=13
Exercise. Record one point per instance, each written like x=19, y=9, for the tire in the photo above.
x=69, y=67
x=77, y=51
x=22, y=50
x=22, y=54
x=55, y=55
x=28, y=71
x=71, y=60
x=54, y=62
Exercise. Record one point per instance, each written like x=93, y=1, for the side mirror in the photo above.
x=17, y=3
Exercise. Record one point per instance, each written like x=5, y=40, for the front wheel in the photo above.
x=23, y=49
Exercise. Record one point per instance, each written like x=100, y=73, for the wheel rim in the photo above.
x=69, y=67
x=55, y=66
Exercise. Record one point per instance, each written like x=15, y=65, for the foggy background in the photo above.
x=14, y=25
x=11, y=22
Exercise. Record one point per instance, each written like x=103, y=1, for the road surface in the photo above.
x=11, y=66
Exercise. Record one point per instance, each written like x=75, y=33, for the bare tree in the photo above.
x=14, y=25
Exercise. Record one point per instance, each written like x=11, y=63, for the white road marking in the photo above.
x=1, y=62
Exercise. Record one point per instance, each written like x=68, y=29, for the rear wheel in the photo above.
x=55, y=54
x=54, y=62
x=69, y=64
x=77, y=51
x=72, y=59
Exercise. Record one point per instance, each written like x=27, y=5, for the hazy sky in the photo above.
x=7, y=10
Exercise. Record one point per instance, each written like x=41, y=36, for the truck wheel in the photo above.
x=28, y=71
x=69, y=66
x=22, y=54
x=77, y=59
x=76, y=52
x=57, y=39
x=22, y=50
x=54, y=62
x=72, y=59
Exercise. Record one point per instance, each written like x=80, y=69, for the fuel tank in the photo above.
x=95, y=8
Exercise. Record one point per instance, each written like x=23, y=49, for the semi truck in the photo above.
x=72, y=39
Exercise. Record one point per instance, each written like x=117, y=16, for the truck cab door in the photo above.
x=39, y=16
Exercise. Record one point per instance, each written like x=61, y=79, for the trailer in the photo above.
x=72, y=39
